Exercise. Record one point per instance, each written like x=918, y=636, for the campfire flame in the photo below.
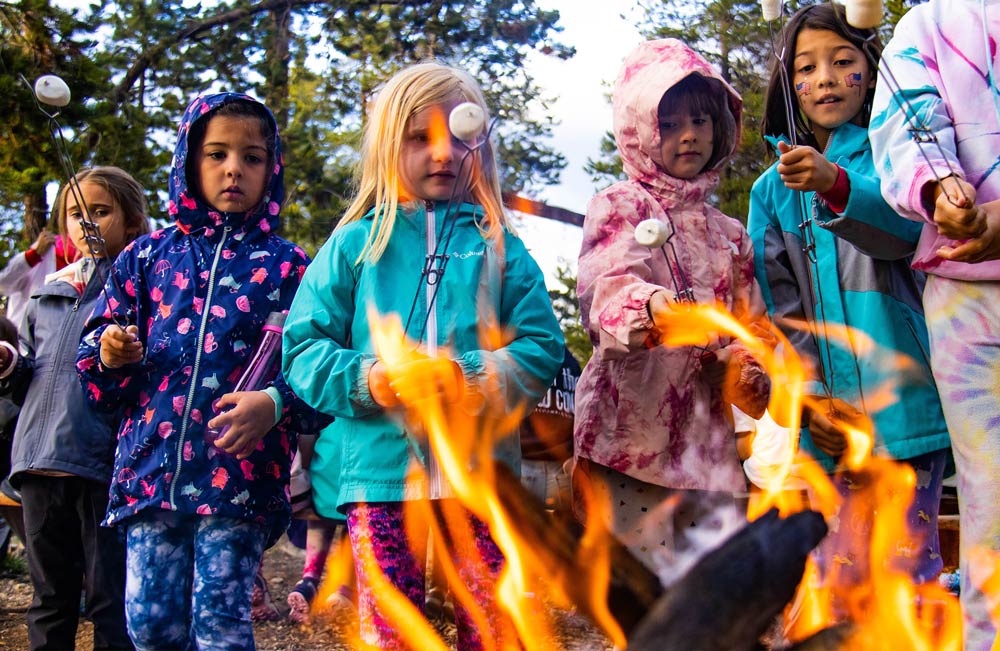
x=886, y=610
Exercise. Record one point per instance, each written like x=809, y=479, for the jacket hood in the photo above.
x=648, y=72
x=188, y=208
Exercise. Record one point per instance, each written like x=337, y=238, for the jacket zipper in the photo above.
x=429, y=288
x=64, y=342
x=197, y=364
x=434, y=479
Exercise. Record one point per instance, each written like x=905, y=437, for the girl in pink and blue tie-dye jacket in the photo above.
x=943, y=59
x=651, y=420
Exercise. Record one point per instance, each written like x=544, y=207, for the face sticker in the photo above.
x=802, y=88
x=853, y=80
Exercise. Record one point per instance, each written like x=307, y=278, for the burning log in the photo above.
x=633, y=589
x=732, y=595
x=725, y=603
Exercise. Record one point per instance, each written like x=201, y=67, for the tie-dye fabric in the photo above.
x=189, y=580
x=944, y=57
x=642, y=409
x=940, y=59
x=199, y=292
x=964, y=322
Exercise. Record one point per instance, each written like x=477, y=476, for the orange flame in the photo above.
x=885, y=610
x=462, y=437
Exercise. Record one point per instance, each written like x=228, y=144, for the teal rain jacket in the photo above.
x=861, y=278
x=363, y=456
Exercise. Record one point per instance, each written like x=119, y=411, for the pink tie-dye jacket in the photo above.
x=642, y=408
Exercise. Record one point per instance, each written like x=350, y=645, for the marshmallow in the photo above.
x=864, y=14
x=466, y=121
x=651, y=233
x=52, y=90
x=771, y=9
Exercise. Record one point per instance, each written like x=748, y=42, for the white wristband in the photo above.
x=14, y=355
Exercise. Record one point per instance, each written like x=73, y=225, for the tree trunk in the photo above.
x=35, y=213
x=277, y=65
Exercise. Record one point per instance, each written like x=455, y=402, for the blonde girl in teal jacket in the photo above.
x=373, y=264
x=849, y=267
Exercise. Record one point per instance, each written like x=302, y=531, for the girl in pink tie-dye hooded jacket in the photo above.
x=651, y=420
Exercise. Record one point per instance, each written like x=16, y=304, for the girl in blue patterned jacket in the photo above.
x=199, y=512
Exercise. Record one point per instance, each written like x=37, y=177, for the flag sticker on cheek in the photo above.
x=802, y=88
x=853, y=80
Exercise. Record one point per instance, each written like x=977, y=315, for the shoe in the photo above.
x=262, y=608
x=341, y=602
x=951, y=581
x=438, y=606
x=300, y=600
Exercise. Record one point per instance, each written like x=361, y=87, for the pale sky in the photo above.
x=602, y=39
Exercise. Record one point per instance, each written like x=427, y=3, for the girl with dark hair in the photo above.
x=652, y=431
x=829, y=250
x=63, y=449
x=199, y=510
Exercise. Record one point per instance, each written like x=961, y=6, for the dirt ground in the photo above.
x=282, y=567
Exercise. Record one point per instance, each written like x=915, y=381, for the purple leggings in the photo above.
x=403, y=563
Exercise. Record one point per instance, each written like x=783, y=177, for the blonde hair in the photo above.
x=124, y=190
x=407, y=92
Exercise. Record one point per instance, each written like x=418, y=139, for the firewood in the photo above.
x=633, y=589
x=730, y=597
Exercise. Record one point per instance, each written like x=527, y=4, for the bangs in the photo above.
x=695, y=95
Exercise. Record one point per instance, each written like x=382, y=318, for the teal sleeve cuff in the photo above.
x=278, y=403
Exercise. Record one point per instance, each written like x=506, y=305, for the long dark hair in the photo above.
x=824, y=16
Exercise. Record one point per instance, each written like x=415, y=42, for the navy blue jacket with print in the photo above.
x=199, y=291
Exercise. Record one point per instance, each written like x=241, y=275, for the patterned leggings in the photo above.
x=963, y=319
x=189, y=581
x=844, y=553
x=402, y=561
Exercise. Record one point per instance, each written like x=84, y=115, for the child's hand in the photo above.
x=120, y=347
x=44, y=242
x=804, y=168
x=986, y=246
x=955, y=211
x=378, y=385
x=428, y=378
x=823, y=416
x=659, y=307
x=249, y=419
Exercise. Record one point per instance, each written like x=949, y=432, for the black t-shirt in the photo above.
x=547, y=432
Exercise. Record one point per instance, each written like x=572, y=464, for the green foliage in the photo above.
x=14, y=566
x=566, y=305
x=133, y=67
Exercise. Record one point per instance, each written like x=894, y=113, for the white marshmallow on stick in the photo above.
x=864, y=14
x=466, y=121
x=771, y=9
x=52, y=90
x=651, y=233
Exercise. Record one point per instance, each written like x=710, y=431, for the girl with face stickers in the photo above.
x=831, y=252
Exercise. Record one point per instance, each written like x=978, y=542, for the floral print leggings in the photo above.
x=189, y=581
x=377, y=531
